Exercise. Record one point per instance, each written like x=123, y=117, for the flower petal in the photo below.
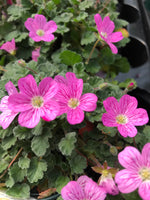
x=127, y=130
x=88, y=102
x=111, y=105
x=75, y=116
x=29, y=118
x=98, y=21
x=146, y=154
x=139, y=117
x=28, y=86
x=107, y=25
x=6, y=118
x=144, y=190
x=75, y=88
x=72, y=191
x=60, y=79
x=109, y=120
x=82, y=180
x=50, y=27
x=112, y=47
x=4, y=103
x=130, y=158
x=11, y=89
x=40, y=20
x=30, y=25
x=48, y=88
x=127, y=181
x=47, y=37
x=115, y=37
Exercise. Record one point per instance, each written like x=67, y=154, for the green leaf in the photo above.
x=10, y=182
x=19, y=191
x=87, y=38
x=36, y=170
x=5, y=132
x=38, y=129
x=64, y=17
x=81, y=16
x=24, y=163
x=122, y=65
x=22, y=132
x=62, y=29
x=131, y=196
x=61, y=181
x=3, y=165
x=67, y=144
x=70, y=58
x=78, y=69
x=111, y=131
x=8, y=142
x=93, y=66
x=86, y=4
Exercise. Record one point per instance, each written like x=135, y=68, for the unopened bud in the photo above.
x=22, y=63
x=113, y=150
x=103, y=85
x=131, y=86
x=124, y=32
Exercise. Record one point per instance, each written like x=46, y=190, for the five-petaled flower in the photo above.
x=137, y=172
x=105, y=28
x=71, y=100
x=10, y=47
x=124, y=114
x=7, y=115
x=34, y=101
x=83, y=188
x=40, y=29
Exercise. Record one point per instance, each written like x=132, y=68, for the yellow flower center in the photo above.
x=73, y=103
x=104, y=34
x=105, y=172
x=13, y=52
x=37, y=102
x=121, y=119
x=40, y=32
x=145, y=174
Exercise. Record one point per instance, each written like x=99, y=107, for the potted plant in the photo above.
x=64, y=119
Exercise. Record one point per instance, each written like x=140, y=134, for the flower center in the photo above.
x=37, y=102
x=105, y=172
x=40, y=32
x=121, y=119
x=145, y=174
x=104, y=34
x=13, y=52
x=73, y=103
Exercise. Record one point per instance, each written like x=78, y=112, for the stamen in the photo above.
x=73, y=103
x=40, y=32
x=37, y=101
x=104, y=34
x=121, y=119
x=145, y=174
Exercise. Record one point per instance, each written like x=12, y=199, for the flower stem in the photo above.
x=92, y=52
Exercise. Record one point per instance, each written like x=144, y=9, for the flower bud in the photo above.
x=113, y=150
x=124, y=32
x=22, y=63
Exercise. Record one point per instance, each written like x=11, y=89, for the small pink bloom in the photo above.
x=34, y=101
x=40, y=29
x=7, y=115
x=105, y=28
x=83, y=188
x=124, y=114
x=10, y=47
x=71, y=100
x=9, y=2
x=36, y=54
x=137, y=172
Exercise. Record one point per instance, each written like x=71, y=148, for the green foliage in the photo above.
x=70, y=58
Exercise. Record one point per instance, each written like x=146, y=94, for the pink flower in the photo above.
x=83, y=188
x=36, y=54
x=7, y=115
x=40, y=29
x=9, y=2
x=124, y=114
x=137, y=172
x=105, y=29
x=70, y=99
x=34, y=101
x=10, y=47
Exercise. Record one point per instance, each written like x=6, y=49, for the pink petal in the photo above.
x=50, y=27
x=9, y=46
x=112, y=47
x=139, y=117
x=127, y=181
x=94, y=192
x=11, y=89
x=28, y=86
x=144, y=190
x=60, y=79
x=63, y=108
x=115, y=37
x=70, y=76
x=19, y=102
x=75, y=88
x=4, y=103
x=111, y=105
x=88, y=102
x=127, y=104
x=146, y=154
x=107, y=25
x=127, y=130
x=72, y=191
x=35, y=37
x=40, y=20
x=47, y=37
x=50, y=110
x=98, y=21
x=6, y=118
x=29, y=118
x=63, y=94
x=82, y=180
x=75, y=116
x=109, y=120
x=48, y=88
x=30, y=25
x=130, y=158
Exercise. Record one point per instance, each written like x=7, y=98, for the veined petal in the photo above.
x=49, y=111
x=35, y=37
x=139, y=117
x=11, y=89
x=28, y=86
x=115, y=37
x=63, y=94
x=127, y=181
x=40, y=20
x=88, y=102
x=93, y=191
x=47, y=37
x=111, y=105
x=19, y=102
x=29, y=118
x=98, y=21
x=30, y=25
x=127, y=130
x=107, y=25
x=48, y=88
x=4, y=103
x=146, y=154
x=6, y=118
x=70, y=76
x=82, y=180
x=50, y=27
x=144, y=190
x=72, y=191
x=130, y=158
x=109, y=120
x=75, y=88
x=112, y=47
x=75, y=116
x=60, y=79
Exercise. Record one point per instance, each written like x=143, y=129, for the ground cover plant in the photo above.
x=68, y=128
